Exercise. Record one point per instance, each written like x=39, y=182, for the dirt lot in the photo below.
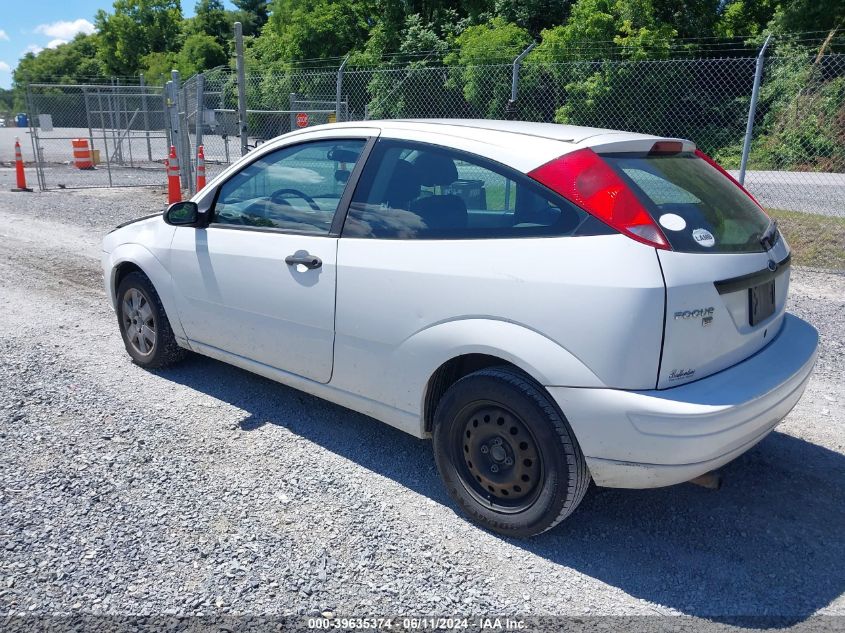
x=204, y=489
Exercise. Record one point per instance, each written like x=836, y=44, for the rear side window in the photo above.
x=420, y=191
x=697, y=208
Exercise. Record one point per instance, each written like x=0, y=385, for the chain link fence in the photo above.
x=123, y=129
x=794, y=148
x=210, y=119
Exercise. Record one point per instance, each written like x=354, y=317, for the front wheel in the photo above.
x=146, y=332
x=506, y=454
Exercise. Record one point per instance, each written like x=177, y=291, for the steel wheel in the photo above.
x=139, y=321
x=506, y=453
x=502, y=466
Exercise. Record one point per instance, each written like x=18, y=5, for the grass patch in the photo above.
x=816, y=240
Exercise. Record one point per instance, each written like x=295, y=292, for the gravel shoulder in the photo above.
x=205, y=489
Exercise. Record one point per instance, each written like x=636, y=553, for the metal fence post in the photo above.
x=33, y=137
x=510, y=108
x=88, y=119
x=339, y=87
x=179, y=137
x=241, y=73
x=752, y=109
x=200, y=110
x=146, y=116
x=168, y=112
x=113, y=123
x=105, y=139
x=173, y=115
x=125, y=133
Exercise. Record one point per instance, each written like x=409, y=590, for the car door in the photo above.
x=259, y=280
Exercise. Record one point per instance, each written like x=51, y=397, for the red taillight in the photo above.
x=721, y=169
x=584, y=178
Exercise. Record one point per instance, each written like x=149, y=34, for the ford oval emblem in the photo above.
x=773, y=265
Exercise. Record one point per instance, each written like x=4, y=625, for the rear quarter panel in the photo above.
x=577, y=311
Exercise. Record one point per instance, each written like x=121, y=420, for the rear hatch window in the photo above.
x=698, y=209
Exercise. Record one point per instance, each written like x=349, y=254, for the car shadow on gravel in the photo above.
x=769, y=544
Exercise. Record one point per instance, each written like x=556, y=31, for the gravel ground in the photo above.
x=205, y=489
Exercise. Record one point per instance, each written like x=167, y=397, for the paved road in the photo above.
x=203, y=488
x=798, y=191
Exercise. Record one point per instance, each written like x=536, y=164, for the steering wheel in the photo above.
x=277, y=198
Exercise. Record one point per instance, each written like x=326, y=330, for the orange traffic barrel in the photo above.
x=82, y=154
x=200, y=168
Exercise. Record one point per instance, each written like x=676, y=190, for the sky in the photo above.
x=30, y=25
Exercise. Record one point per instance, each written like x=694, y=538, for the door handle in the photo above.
x=303, y=257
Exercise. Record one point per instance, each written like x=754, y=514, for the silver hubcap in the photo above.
x=138, y=321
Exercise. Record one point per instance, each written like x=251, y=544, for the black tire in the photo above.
x=162, y=350
x=507, y=423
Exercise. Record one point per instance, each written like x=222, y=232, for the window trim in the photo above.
x=516, y=176
x=342, y=205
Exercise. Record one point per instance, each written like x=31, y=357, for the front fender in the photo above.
x=144, y=259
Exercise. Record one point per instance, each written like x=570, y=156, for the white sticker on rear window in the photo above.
x=673, y=222
x=703, y=237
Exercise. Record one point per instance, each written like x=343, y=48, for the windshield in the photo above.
x=697, y=207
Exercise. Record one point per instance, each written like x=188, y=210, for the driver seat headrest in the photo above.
x=435, y=169
x=404, y=185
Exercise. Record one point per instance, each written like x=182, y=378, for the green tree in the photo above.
x=585, y=66
x=211, y=18
x=689, y=18
x=799, y=16
x=602, y=29
x=741, y=18
x=489, y=43
x=419, y=88
x=496, y=42
x=7, y=99
x=389, y=23
x=308, y=29
x=135, y=29
x=200, y=53
x=73, y=62
x=534, y=15
x=252, y=14
x=157, y=66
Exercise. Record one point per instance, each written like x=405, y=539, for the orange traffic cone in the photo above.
x=174, y=189
x=200, y=168
x=19, y=173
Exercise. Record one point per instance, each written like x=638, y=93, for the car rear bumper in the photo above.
x=648, y=439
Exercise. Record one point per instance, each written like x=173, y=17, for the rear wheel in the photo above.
x=506, y=454
x=146, y=332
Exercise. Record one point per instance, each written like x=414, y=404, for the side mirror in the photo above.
x=184, y=213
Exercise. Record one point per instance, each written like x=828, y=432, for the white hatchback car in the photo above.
x=551, y=303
